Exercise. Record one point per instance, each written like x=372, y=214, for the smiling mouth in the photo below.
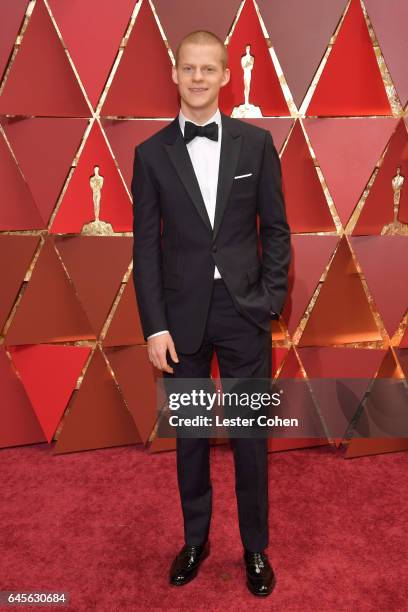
x=198, y=89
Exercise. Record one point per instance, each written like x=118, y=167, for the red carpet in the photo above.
x=105, y=525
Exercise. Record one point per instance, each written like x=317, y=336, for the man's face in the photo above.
x=200, y=74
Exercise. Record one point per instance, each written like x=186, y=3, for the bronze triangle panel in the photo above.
x=97, y=416
x=49, y=310
x=96, y=266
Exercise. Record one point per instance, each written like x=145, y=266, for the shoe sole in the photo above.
x=250, y=587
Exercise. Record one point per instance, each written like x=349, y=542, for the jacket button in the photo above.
x=214, y=249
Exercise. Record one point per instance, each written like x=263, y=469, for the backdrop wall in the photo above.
x=83, y=82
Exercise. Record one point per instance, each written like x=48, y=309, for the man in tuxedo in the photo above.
x=202, y=285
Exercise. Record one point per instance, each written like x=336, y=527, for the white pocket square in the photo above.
x=242, y=175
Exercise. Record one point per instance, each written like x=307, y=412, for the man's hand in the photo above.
x=157, y=348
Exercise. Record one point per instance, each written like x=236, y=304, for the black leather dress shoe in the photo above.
x=185, y=566
x=260, y=577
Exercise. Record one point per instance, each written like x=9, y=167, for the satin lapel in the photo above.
x=230, y=150
x=181, y=160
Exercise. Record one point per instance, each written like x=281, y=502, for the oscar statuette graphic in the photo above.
x=247, y=109
x=97, y=226
x=396, y=228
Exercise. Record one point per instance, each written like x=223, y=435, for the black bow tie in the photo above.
x=191, y=130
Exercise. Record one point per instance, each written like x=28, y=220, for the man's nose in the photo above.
x=197, y=75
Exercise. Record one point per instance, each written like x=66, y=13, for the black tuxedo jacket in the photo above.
x=175, y=247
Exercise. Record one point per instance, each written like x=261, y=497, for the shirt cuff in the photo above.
x=164, y=331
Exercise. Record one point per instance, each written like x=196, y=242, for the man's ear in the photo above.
x=174, y=74
x=226, y=78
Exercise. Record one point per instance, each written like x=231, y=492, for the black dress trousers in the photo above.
x=243, y=351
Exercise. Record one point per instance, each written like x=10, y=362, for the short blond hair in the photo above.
x=203, y=37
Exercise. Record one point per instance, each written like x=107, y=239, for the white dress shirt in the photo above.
x=205, y=157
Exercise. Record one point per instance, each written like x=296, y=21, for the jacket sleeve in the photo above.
x=274, y=230
x=147, y=266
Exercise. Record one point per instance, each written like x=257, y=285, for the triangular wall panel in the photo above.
x=49, y=374
x=41, y=81
x=93, y=51
x=125, y=327
x=49, y=310
x=306, y=205
x=18, y=422
x=139, y=384
x=291, y=369
x=347, y=86
x=389, y=21
x=97, y=416
x=339, y=378
x=124, y=136
x=341, y=314
x=265, y=90
x=298, y=42
x=133, y=92
x=384, y=265
x=45, y=149
x=309, y=258
x=378, y=211
x=211, y=15
x=341, y=362
x=77, y=206
x=347, y=151
x=361, y=446
x=96, y=266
